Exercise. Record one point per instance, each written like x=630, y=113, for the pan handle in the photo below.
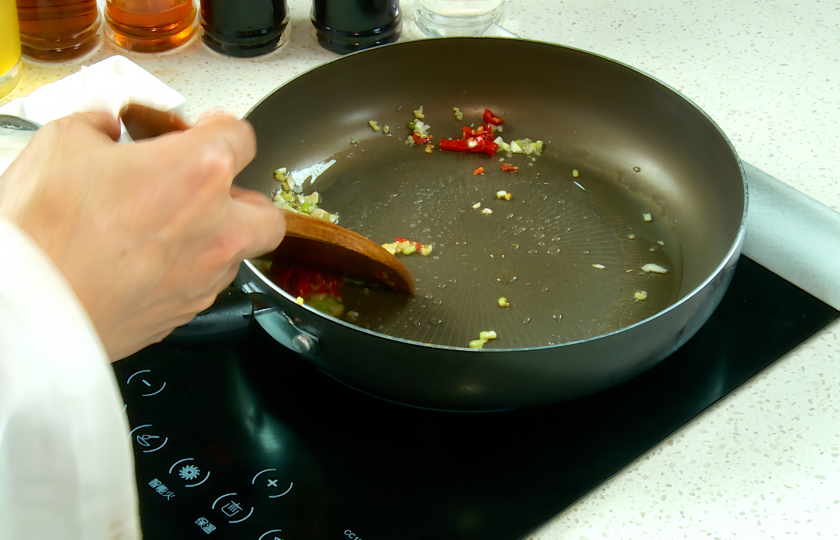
x=229, y=319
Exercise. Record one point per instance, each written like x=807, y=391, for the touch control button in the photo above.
x=147, y=439
x=229, y=504
x=272, y=484
x=187, y=470
x=267, y=535
x=142, y=380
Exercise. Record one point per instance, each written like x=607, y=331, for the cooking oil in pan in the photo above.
x=565, y=252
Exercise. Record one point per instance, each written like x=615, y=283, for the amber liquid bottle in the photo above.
x=150, y=26
x=345, y=26
x=58, y=30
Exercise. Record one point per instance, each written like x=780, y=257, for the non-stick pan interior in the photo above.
x=638, y=147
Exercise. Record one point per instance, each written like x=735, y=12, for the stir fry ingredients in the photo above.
x=373, y=125
x=631, y=236
x=520, y=146
x=503, y=302
x=655, y=268
x=419, y=131
x=509, y=168
x=652, y=249
x=477, y=205
x=386, y=129
x=640, y=295
x=504, y=195
x=312, y=288
x=647, y=217
x=429, y=148
x=473, y=140
x=598, y=266
x=289, y=196
x=486, y=211
x=575, y=173
x=459, y=116
x=419, y=113
x=661, y=243
x=483, y=337
x=407, y=247
x=490, y=118
x=478, y=171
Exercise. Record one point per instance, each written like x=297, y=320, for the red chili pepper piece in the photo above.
x=490, y=118
x=400, y=240
x=453, y=145
x=418, y=140
x=479, y=170
x=506, y=167
x=488, y=147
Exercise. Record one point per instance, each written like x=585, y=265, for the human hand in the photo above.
x=147, y=233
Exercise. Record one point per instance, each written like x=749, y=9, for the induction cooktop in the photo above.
x=246, y=440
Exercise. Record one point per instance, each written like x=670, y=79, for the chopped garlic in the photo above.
x=386, y=129
x=650, y=267
x=458, y=114
x=631, y=236
x=280, y=174
x=419, y=113
x=598, y=266
x=373, y=125
x=429, y=148
x=640, y=295
x=660, y=242
x=487, y=335
x=647, y=217
x=477, y=205
x=652, y=249
x=486, y=211
x=425, y=250
x=628, y=271
x=299, y=301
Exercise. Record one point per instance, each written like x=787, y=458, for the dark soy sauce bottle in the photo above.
x=344, y=26
x=244, y=28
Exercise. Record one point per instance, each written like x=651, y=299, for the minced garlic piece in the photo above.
x=640, y=295
x=486, y=211
x=647, y=216
x=598, y=266
x=477, y=205
x=419, y=113
x=373, y=125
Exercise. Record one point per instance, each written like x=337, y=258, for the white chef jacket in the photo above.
x=66, y=464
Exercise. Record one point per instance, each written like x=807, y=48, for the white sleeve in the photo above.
x=66, y=463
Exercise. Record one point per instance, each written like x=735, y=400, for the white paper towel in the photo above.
x=108, y=86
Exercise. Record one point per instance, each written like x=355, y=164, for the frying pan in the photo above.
x=572, y=328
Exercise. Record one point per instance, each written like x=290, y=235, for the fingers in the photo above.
x=263, y=225
x=222, y=133
x=100, y=122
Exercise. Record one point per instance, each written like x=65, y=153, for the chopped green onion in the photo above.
x=411, y=125
x=409, y=250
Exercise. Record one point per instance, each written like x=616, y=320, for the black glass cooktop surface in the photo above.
x=248, y=441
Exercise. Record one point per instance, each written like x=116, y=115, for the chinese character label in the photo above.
x=205, y=525
x=161, y=489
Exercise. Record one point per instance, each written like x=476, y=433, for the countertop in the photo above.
x=765, y=461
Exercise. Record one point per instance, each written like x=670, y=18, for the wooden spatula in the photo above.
x=309, y=242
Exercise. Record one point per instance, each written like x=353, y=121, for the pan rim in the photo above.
x=733, y=250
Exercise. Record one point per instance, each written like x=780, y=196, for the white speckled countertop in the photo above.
x=765, y=461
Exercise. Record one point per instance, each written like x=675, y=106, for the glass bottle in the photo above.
x=244, y=28
x=58, y=30
x=344, y=26
x=150, y=26
x=9, y=47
